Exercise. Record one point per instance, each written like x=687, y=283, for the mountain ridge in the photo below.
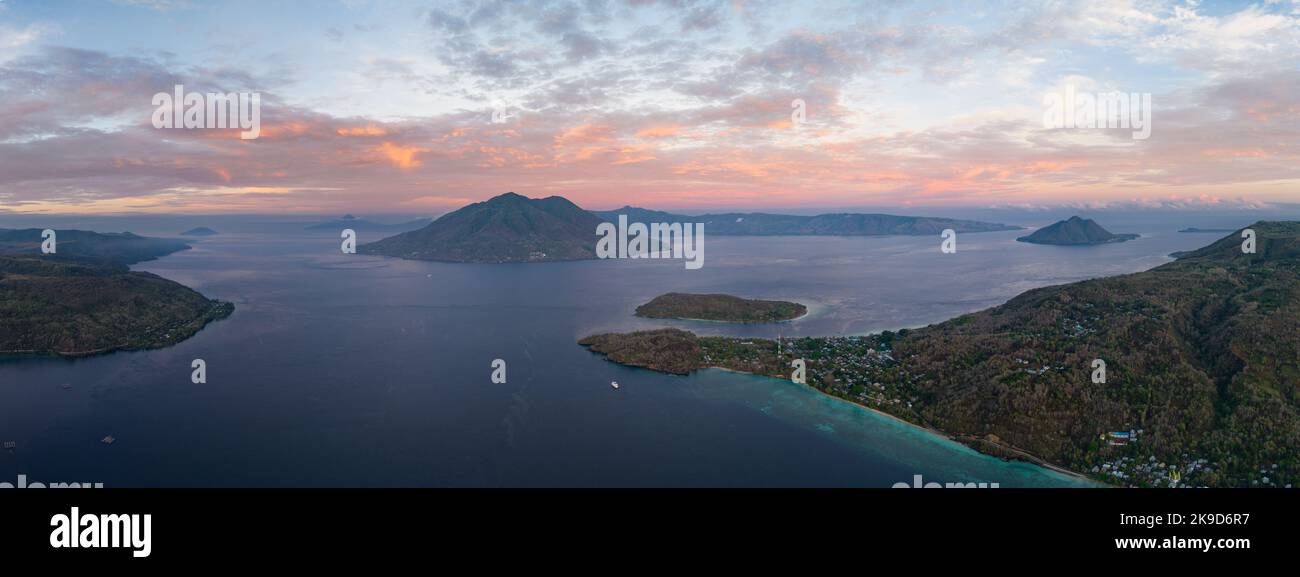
x=829, y=224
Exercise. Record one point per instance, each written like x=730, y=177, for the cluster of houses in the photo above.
x=1150, y=472
x=1138, y=472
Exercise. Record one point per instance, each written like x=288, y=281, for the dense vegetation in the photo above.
x=1202, y=360
x=52, y=306
x=506, y=228
x=719, y=307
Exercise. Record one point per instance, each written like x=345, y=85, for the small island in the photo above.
x=200, y=231
x=1218, y=230
x=1075, y=232
x=719, y=307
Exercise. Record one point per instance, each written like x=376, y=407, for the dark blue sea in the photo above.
x=349, y=370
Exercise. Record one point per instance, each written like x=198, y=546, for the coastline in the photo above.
x=219, y=311
x=964, y=440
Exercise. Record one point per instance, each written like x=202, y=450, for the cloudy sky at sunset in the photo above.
x=373, y=106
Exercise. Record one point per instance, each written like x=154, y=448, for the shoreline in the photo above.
x=961, y=439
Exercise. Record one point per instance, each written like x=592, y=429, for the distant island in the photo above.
x=512, y=228
x=200, y=231
x=85, y=300
x=358, y=224
x=507, y=228
x=836, y=224
x=1200, y=357
x=123, y=247
x=1075, y=231
x=1218, y=230
x=719, y=307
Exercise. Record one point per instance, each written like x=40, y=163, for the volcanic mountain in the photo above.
x=1075, y=231
x=506, y=228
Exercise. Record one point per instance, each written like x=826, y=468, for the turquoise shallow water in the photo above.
x=876, y=436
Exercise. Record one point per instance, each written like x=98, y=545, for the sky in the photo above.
x=422, y=107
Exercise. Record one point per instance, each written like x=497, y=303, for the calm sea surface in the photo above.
x=365, y=371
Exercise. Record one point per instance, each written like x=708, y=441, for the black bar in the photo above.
x=324, y=525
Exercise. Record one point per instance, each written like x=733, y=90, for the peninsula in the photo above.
x=83, y=299
x=1200, y=358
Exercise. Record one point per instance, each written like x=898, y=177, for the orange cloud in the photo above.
x=367, y=130
x=401, y=156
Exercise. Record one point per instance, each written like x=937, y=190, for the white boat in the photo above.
x=613, y=384
x=107, y=440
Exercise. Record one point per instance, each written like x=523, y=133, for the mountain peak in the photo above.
x=509, y=196
x=1075, y=231
x=505, y=228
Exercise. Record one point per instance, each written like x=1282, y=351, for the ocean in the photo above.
x=353, y=370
